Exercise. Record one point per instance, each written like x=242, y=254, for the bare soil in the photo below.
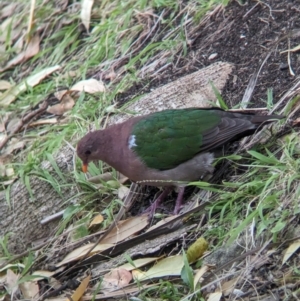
x=244, y=35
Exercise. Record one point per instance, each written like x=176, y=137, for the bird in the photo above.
x=168, y=148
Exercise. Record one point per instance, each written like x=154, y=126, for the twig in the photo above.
x=52, y=217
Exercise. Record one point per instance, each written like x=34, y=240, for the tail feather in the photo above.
x=256, y=119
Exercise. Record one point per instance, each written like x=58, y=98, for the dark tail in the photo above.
x=257, y=119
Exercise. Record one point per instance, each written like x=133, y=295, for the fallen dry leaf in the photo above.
x=123, y=192
x=60, y=94
x=138, y=275
x=66, y=104
x=80, y=289
x=14, y=144
x=228, y=286
x=54, y=283
x=116, y=279
x=29, y=289
x=42, y=274
x=85, y=14
x=3, y=136
x=162, y=222
x=31, y=50
x=214, y=296
x=4, y=85
x=3, y=121
x=98, y=219
x=4, y=28
x=170, y=266
x=90, y=86
x=13, y=124
x=138, y=263
x=126, y=228
x=12, y=282
x=82, y=251
x=291, y=250
x=11, y=94
x=199, y=274
x=8, y=10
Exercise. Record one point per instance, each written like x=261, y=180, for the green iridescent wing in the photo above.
x=166, y=139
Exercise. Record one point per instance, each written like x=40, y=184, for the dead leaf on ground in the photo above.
x=13, y=124
x=89, y=86
x=54, y=283
x=126, y=228
x=4, y=27
x=116, y=279
x=3, y=121
x=139, y=263
x=4, y=85
x=228, y=286
x=214, y=296
x=30, y=289
x=13, y=145
x=12, y=282
x=86, y=11
x=66, y=104
x=8, y=10
x=123, y=192
x=42, y=274
x=3, y=136
x=291, y=250
x=200, y=273
x=31, y=50
x=116, y=295
x=11, y=94
x=60, y=94
x=170, y=266
x=82, y=251
x=98, y=219
x=81, y=289
x=162, y=222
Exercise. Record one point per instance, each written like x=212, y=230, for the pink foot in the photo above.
x=151, y=209
x=179, y=199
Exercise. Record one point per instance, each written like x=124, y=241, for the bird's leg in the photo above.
x=158, y=201
x=179, y=200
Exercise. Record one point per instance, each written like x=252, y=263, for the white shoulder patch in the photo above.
x=131, y=141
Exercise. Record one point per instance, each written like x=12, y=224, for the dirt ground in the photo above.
x=244, y=35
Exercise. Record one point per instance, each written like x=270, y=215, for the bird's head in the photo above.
x=87, y=150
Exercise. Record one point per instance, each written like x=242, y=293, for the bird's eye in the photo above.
x=88, y=152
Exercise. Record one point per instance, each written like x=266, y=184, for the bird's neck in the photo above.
x=113, y=141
